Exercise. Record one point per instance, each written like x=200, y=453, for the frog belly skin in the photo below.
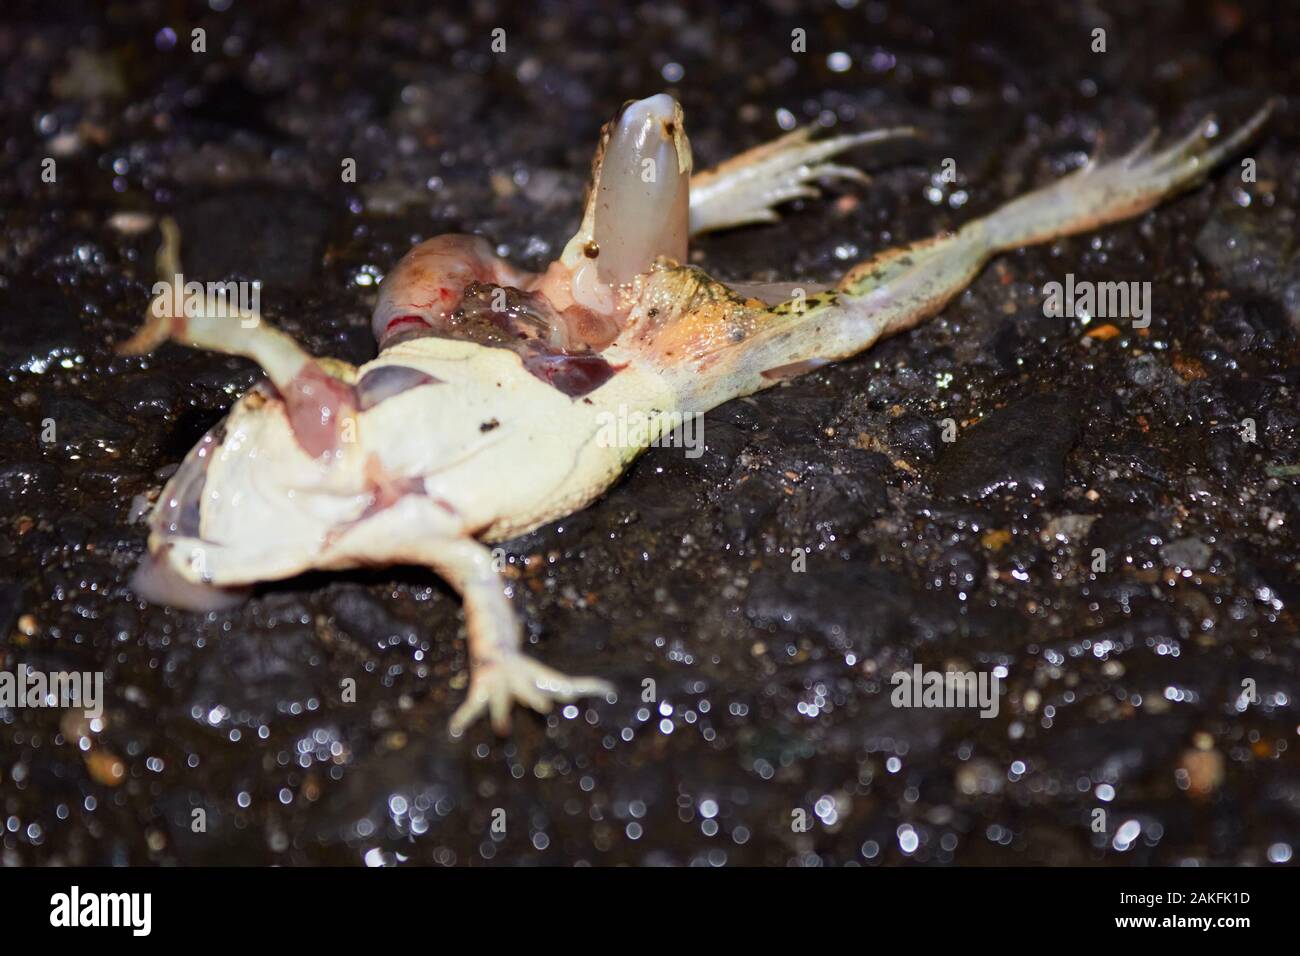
x=497, y=451
x=506, y=450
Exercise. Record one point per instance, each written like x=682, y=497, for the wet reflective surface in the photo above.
x=309, y=726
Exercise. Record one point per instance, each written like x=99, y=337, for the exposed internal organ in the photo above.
x=562, y=348
x=387, y=381
x=638, y=210
x=642, y=208
x=317, y=404
x=428, y=283
x=455, y=287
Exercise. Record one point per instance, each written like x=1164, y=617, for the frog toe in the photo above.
x=748, y=188
x=497, y=685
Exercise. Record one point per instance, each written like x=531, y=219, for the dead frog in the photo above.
x=481, y=418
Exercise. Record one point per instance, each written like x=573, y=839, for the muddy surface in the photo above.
x=1123, y=687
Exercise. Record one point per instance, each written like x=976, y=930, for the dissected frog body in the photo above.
x=482, y=416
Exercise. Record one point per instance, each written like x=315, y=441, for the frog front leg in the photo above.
x=417, y=529
x=747, y=188
x=318, y=393
x=500, y=673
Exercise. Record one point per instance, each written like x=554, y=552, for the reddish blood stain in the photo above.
x=404, y=320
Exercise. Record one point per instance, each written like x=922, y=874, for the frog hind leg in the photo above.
x=747, y=188
x=318, y=393
x=1102, y=193
x=902, y=287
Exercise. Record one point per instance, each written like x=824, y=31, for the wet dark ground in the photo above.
x=1123, y=687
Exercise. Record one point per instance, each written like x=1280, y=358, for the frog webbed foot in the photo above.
x=1104, y=192
x=748, y=188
